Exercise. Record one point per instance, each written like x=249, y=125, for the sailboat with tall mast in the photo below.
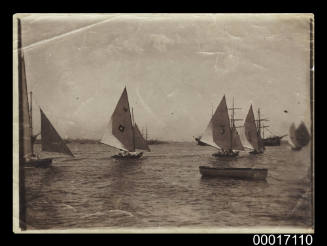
x=250, y=134
x=123, y=133
x=221, y=132
x=50, y=139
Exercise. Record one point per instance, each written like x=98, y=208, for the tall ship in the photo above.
x=123, y=133
x=50, y=139
x=273, y=139
x=221, y=132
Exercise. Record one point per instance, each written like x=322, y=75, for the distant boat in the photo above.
x=123, y=133
x=298, y=137
x=250, y=135
x=50, y=139
x=222, y=134
x=199, y=142
x=273, y=140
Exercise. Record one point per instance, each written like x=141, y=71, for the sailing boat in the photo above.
x=123, y=133
x=226, y=137
x=221, y=133
x=272, y=140
x=250, y=135
x=50, y=139
x=299, y=137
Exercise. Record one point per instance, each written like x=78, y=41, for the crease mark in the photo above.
x=38, y=43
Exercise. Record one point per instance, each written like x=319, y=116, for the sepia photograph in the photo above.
x=163, y=123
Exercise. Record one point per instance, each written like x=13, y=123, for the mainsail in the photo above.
x=251, y=133
x=218, y=133
x=119, y=132
x=140, y=142
x=50, y=139
x=25, y=133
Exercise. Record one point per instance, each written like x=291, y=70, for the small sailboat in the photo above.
x=123, y=133
x=50, y=139
x=250, y=135
x=222, y=134
x=298, y=137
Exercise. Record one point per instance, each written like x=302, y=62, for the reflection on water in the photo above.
x=165, y=188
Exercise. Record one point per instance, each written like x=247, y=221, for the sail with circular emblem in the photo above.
x=218, y=133
x=119, y=132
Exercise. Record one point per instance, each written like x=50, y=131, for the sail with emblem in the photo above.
x=50, y=139
x=119, y=132
x=218, y=133
x=140, y=142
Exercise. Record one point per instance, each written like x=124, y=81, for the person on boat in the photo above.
x=123, y=153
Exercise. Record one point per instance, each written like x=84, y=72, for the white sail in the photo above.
x=246, y=144
x=109, y=139
x=207, y=136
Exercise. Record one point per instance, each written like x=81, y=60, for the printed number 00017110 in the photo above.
x=282, y=239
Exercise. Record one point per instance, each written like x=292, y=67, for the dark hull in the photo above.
x=41, y=163
x=271, y=141
x=222, y=154
x=254, y=152
x=234, y=173
x=128, y=157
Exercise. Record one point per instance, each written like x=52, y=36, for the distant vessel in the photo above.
x=250, y=134
x=50, y=139
x=273, y=140
x=123, y=133
x=221, y=133
x=199, y=142
x=298, y=137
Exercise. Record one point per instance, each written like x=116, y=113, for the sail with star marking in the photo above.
x=140, y=142
x=119, y=132
x=50, y=139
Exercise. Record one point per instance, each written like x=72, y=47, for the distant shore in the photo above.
x=97, y=141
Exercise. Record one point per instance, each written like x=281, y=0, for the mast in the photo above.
x=232, y=122
x=133, y=124
x=31, y=120
x=146, y=133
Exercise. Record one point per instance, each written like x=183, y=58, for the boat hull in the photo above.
x=40, y=163
x=274, y=141
x=235, y=173
x=221, y=154
x=128, y=157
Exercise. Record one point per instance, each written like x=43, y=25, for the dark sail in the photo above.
x=50, y=139
x=24, y=114
x=140, y=142
x=119, y=132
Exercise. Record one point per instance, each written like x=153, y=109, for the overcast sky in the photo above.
x=176, y=68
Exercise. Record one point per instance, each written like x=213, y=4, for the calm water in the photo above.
x=165, y=189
